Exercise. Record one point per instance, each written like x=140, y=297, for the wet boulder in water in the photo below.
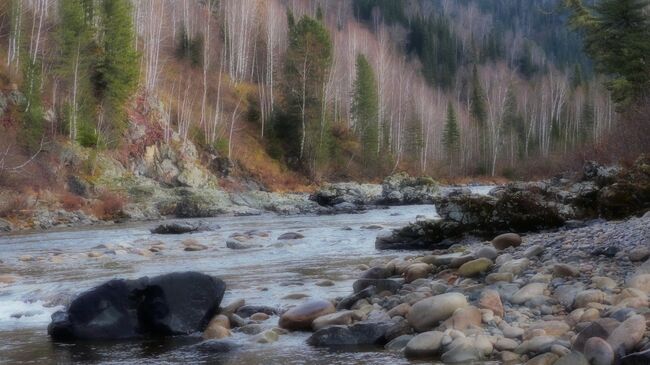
x=166, y=305
x=302, y=316
x=362, y=333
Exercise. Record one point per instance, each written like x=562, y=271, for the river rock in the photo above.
x=462, y=350
x=220, y=320
x=588, y=296
x=193, y=245
x=536, y=345
x=175, y=228
x=487, y=252
x=573, y=358
x=548, y=358
x=215, y=332
x=268, y=336
x=515, y=267
x=338, y=318
x=475, y=267
x=238, y=245
x=260, y=317
x=564, y=270
x=302, y=316
x=7, y=279
x=490, y=299
x=550, y=328
x=528, y=292
x=362, y=333
x=598, y=352
x=214, y=346
x=290, y=236
x=464, y=318
x=501, y=242
x=427, y=313
x=601, y=328
x=533, y=251
x=641, y=282
x=499, y=276
x=417, y=271
x=124, y=309
x=398, y=343
x=380, y=285
x=424, y=345
x=628, y=334
x=376, y=273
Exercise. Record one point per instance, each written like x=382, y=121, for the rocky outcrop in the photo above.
x=401, y=188
x=125, y=309
x=610, y=193
x=358, y=194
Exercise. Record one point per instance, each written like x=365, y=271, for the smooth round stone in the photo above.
x=533, y=251
x=376, y=273
x=7, y=279
x=548, y=358
x=401, y=310
x=628, y=334
x=573, y=358
x=503, y=241
x=603, y=283
x=464, y=318
x=302, y=316
x=259, y=317
x=538, y=344
x=641, y=282
x=528, y=292
x=490, y=299
x=588, y=296
x=475, y=267
x=505, y=344
x=550, y=328
x=598, y=352
x=417, y=271
x=426, y=344
x=232, y=307
x=461, y=350
x=220, y=320
x=486, y=252
x=639, y=254
x=338, y=318
x=427, y=313
x=564, y=270
x=215, y=332
x=515, y=267
x=499, y=276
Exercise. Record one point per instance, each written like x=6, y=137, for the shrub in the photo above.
x=109, y=205
x=71, y=202
x=15, y=206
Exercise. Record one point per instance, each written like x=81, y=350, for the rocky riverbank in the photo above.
x=571, y=296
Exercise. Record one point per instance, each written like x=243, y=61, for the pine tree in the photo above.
x=616, y=36
x=307, y=65
x=451, y=134
x=75, y=39
x=478, y=111
x=365, y=107
x=119, y=65
x=32, y=130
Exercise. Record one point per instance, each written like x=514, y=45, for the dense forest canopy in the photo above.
x=332, y=89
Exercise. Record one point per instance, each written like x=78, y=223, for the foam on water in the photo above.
x=20, y=314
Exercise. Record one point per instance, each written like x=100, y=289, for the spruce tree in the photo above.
x=478, y=111
x=75, y=40
x=305, y=131
x=451, y=134
x=617, y=34
x=119, y=65
x=365, y=107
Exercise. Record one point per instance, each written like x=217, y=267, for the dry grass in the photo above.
x=71, y=202
x=108, y=205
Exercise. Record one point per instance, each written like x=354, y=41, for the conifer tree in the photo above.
x=478, y=110
x=451, y=134
x=75, y=39
x=119, y=65
x=365, y=108
x=616, y=34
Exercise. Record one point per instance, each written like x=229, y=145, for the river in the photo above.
x=53, y=266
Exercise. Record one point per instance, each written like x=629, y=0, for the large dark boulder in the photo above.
x=167, y=305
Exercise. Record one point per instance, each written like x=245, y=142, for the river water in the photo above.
x=58, y=267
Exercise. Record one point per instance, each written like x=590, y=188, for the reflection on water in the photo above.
x=51, y=267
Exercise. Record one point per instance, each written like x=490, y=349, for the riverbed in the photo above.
x=52, y=267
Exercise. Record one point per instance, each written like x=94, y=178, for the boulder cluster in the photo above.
x=506, y=300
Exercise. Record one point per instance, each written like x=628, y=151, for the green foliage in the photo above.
x=190, y=48
x=31, y=134
x=617, y=34
x=478, y=101
x=365, y=107
x=513, y=121
x=119, y=64
x=307, y=65
x=436, y=45
x=525, y=64
x=451, y=134
x=77, y=55
x=392, y=11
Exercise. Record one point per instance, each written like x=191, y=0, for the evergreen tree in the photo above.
x=478, y=111
x=75, y=39
x=32, y=131
x=119, y=64
x=451, y=134
x=307, y=64
x=617, y=34
x=365, y=108
x=513, y=122
x=435, y=44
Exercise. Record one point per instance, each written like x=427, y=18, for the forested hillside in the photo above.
x=322, y=89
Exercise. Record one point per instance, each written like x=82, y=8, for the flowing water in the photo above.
x=332, y=249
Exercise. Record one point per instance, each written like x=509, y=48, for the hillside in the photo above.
x=281, y=95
